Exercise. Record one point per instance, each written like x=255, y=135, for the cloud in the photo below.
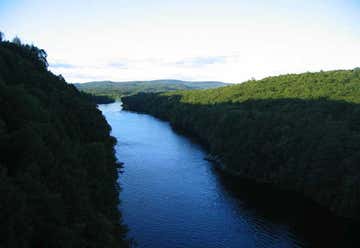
x=201, y=61
x=218, y=68
x=118, y=65
x=85, y=77
x=62, y=65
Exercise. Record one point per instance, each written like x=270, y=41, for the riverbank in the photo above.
x=301, y=144
x=316, y=224
x=172, y=197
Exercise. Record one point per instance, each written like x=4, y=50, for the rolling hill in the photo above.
x=116, y=90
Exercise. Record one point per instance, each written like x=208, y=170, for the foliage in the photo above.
x=299, y=132
x=58, y=170
x=16, y=41
x=98, y=99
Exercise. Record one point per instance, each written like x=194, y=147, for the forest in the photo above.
x=58, y=171
x=297, y=132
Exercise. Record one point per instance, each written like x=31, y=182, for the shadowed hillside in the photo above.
x=299, y=132
x=58, y=171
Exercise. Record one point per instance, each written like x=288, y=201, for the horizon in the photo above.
x=199, y=81
x=231, y=41
x=151, y=80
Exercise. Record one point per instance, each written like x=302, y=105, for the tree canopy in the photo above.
x=58, y=171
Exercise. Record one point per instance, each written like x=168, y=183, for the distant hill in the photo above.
x=118, y=89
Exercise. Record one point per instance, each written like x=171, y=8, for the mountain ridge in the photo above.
x=116, y=90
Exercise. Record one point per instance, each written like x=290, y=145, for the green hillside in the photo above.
x=116, y=90
x=58, y=170
x=298, y=132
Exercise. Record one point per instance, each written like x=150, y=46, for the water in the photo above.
x=172, y=197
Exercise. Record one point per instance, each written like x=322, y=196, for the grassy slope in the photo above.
x=299, y=132
x=58, y=170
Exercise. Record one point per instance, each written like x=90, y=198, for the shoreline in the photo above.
x=220, y=166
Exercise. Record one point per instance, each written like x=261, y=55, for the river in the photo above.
x=171, y=197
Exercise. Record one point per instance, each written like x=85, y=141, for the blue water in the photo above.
x=171, y=197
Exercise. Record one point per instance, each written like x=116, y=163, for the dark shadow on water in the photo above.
x=316, y=225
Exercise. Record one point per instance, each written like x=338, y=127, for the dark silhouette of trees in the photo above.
x=16, y=40
x=58, y=169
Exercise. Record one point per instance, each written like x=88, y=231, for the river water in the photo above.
x=171, y=197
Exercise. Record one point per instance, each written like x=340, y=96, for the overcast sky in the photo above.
x=223, y=40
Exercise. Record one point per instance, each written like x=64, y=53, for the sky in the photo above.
x=220, y=40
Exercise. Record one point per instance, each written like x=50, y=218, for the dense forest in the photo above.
x=115, y=90
x=58, y=172
x=298, y=132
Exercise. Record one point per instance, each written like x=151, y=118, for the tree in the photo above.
x=53, y=142
x=1, y=36
x=16, y=41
